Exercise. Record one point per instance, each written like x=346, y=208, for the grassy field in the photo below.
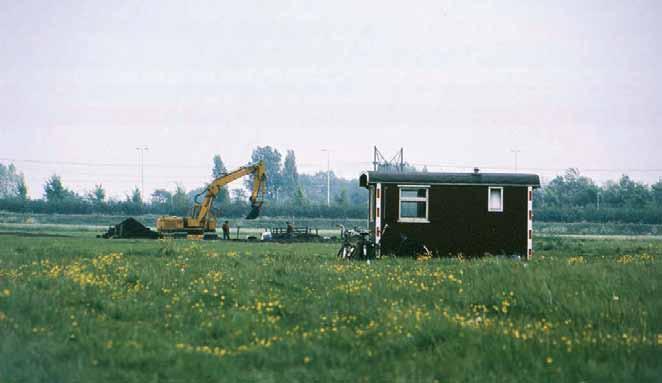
x=87, y=223
x=81, y=309
x=92, y=224
x=103, y=221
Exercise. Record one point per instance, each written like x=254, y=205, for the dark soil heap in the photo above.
x=130, y=228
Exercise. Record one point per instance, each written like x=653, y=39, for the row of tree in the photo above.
x=568, y=197
x=572, y=190
x=286, y=185
x=287, y=193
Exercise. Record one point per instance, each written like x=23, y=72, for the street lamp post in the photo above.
x=141, y=157
x=328, y=176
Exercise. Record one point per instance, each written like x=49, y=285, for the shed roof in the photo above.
x=500, y=179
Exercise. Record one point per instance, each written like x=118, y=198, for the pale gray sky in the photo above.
x=456, y=83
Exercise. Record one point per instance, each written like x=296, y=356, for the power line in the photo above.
x=344, y=162
x=585, y=170
x=124, y=175
x=101, y=164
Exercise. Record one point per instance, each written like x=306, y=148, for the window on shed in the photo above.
x=495, y=199
x=413, y=204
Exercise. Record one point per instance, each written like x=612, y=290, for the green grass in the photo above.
x=82, y=309
x=89, y=225
x=595, y=228
x=103, y=221
x=92, y=231
x=100, y=222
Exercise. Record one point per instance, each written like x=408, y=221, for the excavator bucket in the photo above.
x=255, y=211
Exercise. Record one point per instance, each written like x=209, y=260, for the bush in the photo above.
x=229, y=210
x=651, y=215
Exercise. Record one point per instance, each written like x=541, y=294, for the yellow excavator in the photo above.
x=202, y=222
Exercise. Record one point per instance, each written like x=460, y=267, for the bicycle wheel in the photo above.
x=357, y=252
x=351, y=252
x=412, y=248
x=345, y=251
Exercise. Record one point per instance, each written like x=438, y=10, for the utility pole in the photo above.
x=141, y=158
x=516, y=152
x=328, y=176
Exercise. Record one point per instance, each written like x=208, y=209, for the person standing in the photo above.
x=290, y=230
x=226, y=230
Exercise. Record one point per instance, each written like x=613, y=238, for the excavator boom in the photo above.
x=201, y=219
x=259, y=177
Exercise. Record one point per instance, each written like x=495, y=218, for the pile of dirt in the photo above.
x=130, y=228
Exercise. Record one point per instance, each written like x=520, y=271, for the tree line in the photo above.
x=570, y=197
x=288, y=193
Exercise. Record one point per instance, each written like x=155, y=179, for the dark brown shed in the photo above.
x=453, y=213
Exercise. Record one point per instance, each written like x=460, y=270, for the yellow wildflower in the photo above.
x=6, y=292
x=306, y=360
x=549, y=360
x=576, y=260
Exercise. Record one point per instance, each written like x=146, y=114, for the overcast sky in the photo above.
x=456, y=83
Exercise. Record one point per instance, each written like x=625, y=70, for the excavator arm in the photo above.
x=202, y=210
x=201, y=220
x=259, y=189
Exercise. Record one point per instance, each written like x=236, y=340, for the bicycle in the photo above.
x=412, y=248
x=355, y=244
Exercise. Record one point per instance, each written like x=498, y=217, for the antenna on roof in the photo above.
x=395, y=165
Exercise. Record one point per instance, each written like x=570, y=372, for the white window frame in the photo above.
x=425, y=199
x=489, y=199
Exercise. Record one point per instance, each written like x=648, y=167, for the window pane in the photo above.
x=412, y=209
x=408, y=193
x=421, y=209
x=413, y=193
x=495, y=199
